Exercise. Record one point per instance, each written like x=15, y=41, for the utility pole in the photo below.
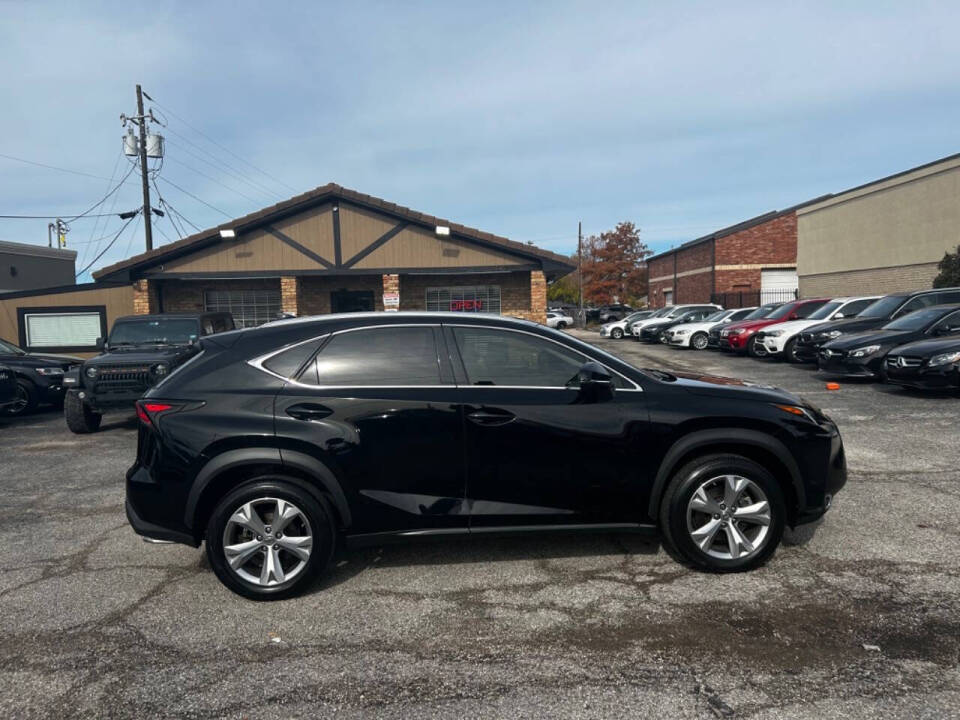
x=142, y=121
x=581, y=318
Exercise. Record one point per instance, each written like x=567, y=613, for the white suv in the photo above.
x=780, y=339
x=695, y=335
x=616, y=329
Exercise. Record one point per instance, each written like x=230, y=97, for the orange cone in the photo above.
x=833, y=386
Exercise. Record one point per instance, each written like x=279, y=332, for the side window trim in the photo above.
x=463, y=380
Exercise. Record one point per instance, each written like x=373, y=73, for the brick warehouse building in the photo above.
x=327, y=250
x=736, y=266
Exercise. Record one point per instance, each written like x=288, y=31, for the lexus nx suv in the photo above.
x=274, y=445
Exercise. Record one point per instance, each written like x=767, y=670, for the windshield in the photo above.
x=883, y=307
x=10, y=349
x=762, y=311
x=916, y=320
x=719, y=315
x=162, y=331
x=781, y=312
x=824, y=312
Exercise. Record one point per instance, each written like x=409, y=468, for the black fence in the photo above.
x=751, y=298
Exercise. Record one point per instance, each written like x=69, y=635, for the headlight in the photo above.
x=48, y=371
x=864, y=351
x=773, y=333
x=944, y=359
x=833, y=334
x=160, y=369
x=681, y=331
x=91, y=372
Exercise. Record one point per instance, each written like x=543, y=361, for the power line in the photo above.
x=213, y=179
x=172, y=211
x=126, y=253
x=109, y=245
x=187, y=192
x=225, y=149
x=61, y=216
x=54, y=167
x=232, y=171
x=96, y=225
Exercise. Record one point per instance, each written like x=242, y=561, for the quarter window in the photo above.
x=386, y=356
x=499, y=357
x=480, y=298
x=248, y=307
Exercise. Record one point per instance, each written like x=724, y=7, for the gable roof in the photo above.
x=554, y=263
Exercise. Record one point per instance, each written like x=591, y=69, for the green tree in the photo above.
x=949, y=270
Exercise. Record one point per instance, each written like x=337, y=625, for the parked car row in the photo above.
x=910, y=339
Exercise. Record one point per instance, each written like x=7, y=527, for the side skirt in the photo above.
x=368, y=539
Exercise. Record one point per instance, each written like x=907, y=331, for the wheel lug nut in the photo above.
x=259, y=538
x=279, y=535
x=267, y=528
x=717, y=516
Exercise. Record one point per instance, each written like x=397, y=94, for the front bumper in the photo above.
x=925, y=378
x=834, y=363
x=774, y=345
x=738, y=343
x=677, y=340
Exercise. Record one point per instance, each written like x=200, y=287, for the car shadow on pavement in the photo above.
x=458, y=550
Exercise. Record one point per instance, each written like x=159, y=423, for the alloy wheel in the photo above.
x=267, y=541
x=728, y=517
x=20, y=403
x=699, y=341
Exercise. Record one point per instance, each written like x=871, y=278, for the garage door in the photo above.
x=778, y=285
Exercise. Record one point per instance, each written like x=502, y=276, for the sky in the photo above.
x=519, y=118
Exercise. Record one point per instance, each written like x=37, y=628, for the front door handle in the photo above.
x=309, y=411
x=491, y=417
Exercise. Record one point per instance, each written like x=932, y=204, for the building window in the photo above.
x=248, y=307
x=60, y=329
x=480, y=298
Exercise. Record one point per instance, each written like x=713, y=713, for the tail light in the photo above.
x=148, y=411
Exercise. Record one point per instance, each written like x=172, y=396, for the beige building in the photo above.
x=328, y=250
x=885, y=236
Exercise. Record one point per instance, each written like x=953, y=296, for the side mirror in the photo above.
x=596, y=383
x=793, y=316
x=839, y=316
x=101, y=344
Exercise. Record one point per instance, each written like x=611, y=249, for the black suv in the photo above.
x=141, y=351
x=878, y=314
x=39, y=378
x=276, y=442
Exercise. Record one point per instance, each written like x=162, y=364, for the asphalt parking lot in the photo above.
x=857, y=617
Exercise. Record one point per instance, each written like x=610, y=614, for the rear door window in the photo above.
x=378, y=357
x=918, y=303
x=948, y=297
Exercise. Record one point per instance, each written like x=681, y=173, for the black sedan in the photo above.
x=862, y=354
x=278, y=443
x=39, y=377
x=926, y=365
x=8, y=387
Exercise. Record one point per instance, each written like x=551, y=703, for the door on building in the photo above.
x=346, y=301
x=668, y=297
x=778, y=285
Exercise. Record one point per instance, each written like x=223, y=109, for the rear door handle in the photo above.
x=491, y=417
x=309, y=411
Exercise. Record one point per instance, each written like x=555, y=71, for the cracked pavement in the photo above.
x=98, y=624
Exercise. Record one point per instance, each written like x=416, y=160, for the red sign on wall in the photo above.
x=462, y=305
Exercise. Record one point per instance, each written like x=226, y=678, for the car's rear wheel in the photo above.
x=25, y=400
x=723, y=513
x=269, y=539
x=699, y=341
x=561, y=325
x=80, y=418
x=616, y=333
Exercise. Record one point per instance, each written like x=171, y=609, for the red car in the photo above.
x=741, y=336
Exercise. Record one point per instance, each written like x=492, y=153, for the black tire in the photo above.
x=322, y=529
x=682, y=486
x=80, y=418
x=700, y=337
x=561, y=325
x=755, y=349
x=789, y=351
x=616, y=333
x=27, y=399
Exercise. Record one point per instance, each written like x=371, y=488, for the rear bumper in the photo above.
x=150, y=511
x=834, y=481
x=155, y=532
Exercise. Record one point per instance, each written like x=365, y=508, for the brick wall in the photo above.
x=290, y=295
x=660, y=276
x=869, y=282
x=145, y=298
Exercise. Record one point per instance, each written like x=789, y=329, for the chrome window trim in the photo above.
x=258, y=362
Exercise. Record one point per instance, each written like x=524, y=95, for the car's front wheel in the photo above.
x=25, y=400
x=699, y=341
x=756, y=348
x=80, y=418
x=616, y=333
x=270, y=538
x=723, y=513
x=790, y=351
